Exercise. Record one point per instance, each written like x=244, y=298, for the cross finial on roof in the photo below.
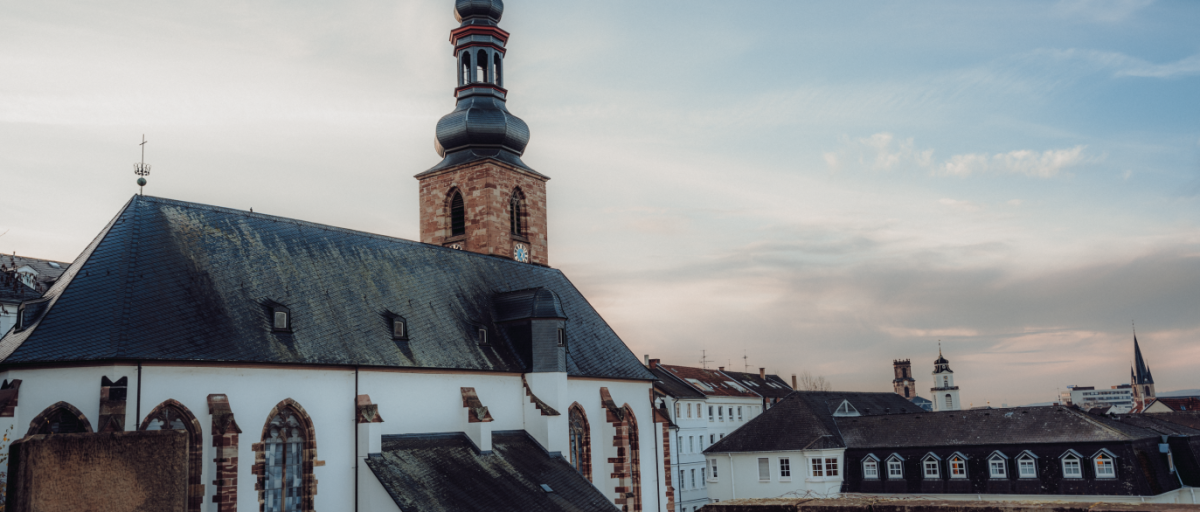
x=141, y=169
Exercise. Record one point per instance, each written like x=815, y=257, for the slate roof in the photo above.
x=798, y=422
x=1160, y=423
x=13, y=290
x=171, y=280
x=1189, y=419
x=1022, y=425
x=709, y=382
x=771, y=387
x=866, y=403
x=669, y=385
x=443, y=472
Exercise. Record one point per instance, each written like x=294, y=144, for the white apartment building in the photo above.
x=1119, y=396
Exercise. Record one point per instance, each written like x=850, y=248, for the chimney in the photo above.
x=794, y=386
x=654, y=363
x=720, y=368
x=646, y=358
x=762, y=373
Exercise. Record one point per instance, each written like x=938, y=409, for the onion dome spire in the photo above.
x=480, y=127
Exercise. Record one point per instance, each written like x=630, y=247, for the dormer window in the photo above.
x=1026, y=466
x=1104, y=465
x=997, y=466
x=399, y=329
x=20, y=319
x=871, y=467
x=481, y=336
x=562, y=338
x=958, y=466
x=895, y=467
x=1070, y=466
x=281, y=319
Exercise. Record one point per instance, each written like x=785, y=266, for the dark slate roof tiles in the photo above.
x=170, y=280
x=444, y=473
x=672, y=386
x=771, y=387
x=797, y=422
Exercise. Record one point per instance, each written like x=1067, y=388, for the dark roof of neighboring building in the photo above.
x=798, y=422
x=771, y=387
x=47, y=270
x=1159, y=423
x=1180, y=403
x=170, y=280
x=13, y=290
x=444, y=472
x=992, y=426
x=709, y=382
x=669, y=385
x=1189, y=419
x=866, y=403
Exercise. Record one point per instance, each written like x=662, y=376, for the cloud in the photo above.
x=1046, y=164
x=1120, y=64
x=957, y=204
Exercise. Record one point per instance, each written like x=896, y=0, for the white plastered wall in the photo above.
x=636, y=394
x=738, y=478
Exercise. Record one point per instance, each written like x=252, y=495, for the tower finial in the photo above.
x=142, y=169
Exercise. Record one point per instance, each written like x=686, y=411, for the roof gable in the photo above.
x=170, y=280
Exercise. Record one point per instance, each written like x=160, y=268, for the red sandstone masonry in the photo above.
x=486, y=188
x=225, y=447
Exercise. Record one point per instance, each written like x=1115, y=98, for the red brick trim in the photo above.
x=195, y=449
x=225, y=453
x=585, y=462
x=9, y=393
x=42, y=417
x=666, y=441
x=476, y=411
x=308, y=456
x=627, y=464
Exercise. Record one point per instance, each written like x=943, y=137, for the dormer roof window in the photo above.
x=281, y=318
x=399, y=329
x=481, y=336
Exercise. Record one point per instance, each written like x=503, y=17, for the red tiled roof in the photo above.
x=709, y=382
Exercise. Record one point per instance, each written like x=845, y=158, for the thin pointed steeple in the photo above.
x=1141, y=372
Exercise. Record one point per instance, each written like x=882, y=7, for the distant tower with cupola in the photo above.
x=481, y=197
x=945, y=392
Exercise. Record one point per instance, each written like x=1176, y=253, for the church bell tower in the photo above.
x=945, y=393
x=481, y=197
x=904, y=383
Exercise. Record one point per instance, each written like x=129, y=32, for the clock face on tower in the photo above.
x=521, y=253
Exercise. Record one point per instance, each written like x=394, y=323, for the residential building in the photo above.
x=771, y=388
x=794, y=447
x=478, y=377
x=23, y=279
x=688, y=432
x=1029, y=453
x=1174, y=404
x=944, y=391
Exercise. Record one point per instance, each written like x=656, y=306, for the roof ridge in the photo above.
x=1088, y=417
x=327, y=227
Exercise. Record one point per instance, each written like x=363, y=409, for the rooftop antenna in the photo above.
x=745, y=362
x=142, y=169
x=704, y=360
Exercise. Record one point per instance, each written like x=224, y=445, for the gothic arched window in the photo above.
x=285, y=460
x=60, y=418
x=516, y=213
x=458, y=215
x=949, y=401
x=581, y=445
x=172, y=415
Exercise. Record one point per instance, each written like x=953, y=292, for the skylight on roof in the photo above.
x=846, y=409
x=735, y=385
x=700, y=385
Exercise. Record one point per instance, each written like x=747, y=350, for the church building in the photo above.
x=320, y=368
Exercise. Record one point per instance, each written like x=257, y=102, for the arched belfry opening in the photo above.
x=481, y=144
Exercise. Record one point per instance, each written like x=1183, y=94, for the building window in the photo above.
x=949, y=402
x=714, y=468
x=831, y=466
x=720, y=413
x=515, y=213
x=682, y=479
x=1071, y=468
x=691, y=445
x=678, y=409
x=481, y=336
x=702, y=478
x=562, y=342
x=895, y=468
x=739, y=414
x=785, y=468
x=712, y=438
x=871, y=469
x=458, y=215
x=60, y=418
x=710, y=413
x=764, y=469
x=997, y=467
x=693, y=478
x=946, y=382
x=689, y=409
x=287, y=461
x=1105, y=467
x=932, y=468
x=818, y=466
x=580, y=442
x=1026, y=467
x=958, y=467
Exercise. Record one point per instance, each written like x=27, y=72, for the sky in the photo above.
x=815, y=187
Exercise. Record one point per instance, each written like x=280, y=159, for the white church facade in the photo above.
x=319, y=368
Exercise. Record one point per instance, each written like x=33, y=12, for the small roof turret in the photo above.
x=478, y=12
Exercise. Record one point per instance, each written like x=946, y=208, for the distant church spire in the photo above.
x=481, y=127
x=1140, y=379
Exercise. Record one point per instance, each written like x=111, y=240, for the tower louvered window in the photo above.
x=514, y=210
x=458, y=216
